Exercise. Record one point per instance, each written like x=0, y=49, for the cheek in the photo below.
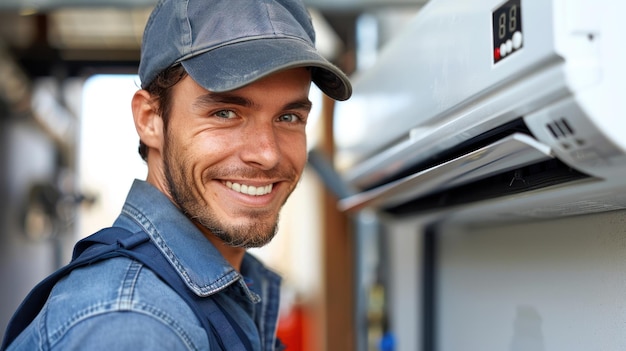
x=206, y=155
x=296, y=151
x=195, y=155
x=208, y=146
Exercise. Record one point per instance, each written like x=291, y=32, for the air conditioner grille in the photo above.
x=560, y=128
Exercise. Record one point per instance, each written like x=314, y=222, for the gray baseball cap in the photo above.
x=227, y=44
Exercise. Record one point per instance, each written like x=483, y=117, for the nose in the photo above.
x=261, y=148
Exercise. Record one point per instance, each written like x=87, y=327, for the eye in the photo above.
x=226, y=114
x=290, y=118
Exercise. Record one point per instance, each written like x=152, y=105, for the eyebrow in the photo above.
x=232, y=99
x=304, y=104
x=222, y=98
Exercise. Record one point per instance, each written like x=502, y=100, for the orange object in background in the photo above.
x=291, y=328
x=298, y=327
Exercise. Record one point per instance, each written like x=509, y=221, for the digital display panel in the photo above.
x=507, y=30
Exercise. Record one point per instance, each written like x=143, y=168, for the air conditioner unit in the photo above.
x=491, y=108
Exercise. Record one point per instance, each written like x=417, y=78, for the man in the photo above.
x=221, y=120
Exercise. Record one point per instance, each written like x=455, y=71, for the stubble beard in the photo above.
x=180, y=184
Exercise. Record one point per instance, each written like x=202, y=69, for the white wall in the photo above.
x=108, y=160
x=554, y=285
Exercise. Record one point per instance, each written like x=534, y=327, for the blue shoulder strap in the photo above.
x=223, y=332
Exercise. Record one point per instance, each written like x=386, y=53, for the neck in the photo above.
x=234, y=255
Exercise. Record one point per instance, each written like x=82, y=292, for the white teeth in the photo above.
x=250, y=189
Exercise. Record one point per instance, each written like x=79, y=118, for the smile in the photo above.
x=249, y=189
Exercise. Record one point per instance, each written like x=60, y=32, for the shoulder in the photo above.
x=121, y=304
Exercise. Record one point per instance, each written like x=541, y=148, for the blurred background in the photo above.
x=532, y=257
x=68, y=151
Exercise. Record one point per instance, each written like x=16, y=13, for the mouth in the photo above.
x=252, y=190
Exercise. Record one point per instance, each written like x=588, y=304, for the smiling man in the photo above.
x=221, y=120
x=229, y=160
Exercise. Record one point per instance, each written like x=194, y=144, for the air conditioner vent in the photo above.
x=560, y=128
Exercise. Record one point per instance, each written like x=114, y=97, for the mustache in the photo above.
x=250, y=173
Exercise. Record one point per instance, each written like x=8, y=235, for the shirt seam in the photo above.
x=105, y=308
x=127, y=288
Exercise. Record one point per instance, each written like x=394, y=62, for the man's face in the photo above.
x=232, y=159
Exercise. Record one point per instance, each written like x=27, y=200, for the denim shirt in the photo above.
x=118, y=304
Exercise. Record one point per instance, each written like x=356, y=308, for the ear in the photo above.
x=148, y=122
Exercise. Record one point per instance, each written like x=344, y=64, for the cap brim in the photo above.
x=235, y=65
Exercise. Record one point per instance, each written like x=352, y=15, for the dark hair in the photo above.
x=160, y=90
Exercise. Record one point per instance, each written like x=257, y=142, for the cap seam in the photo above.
x=186, y=29
x=269, y=17
x=152, y=18
x=237, y=41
